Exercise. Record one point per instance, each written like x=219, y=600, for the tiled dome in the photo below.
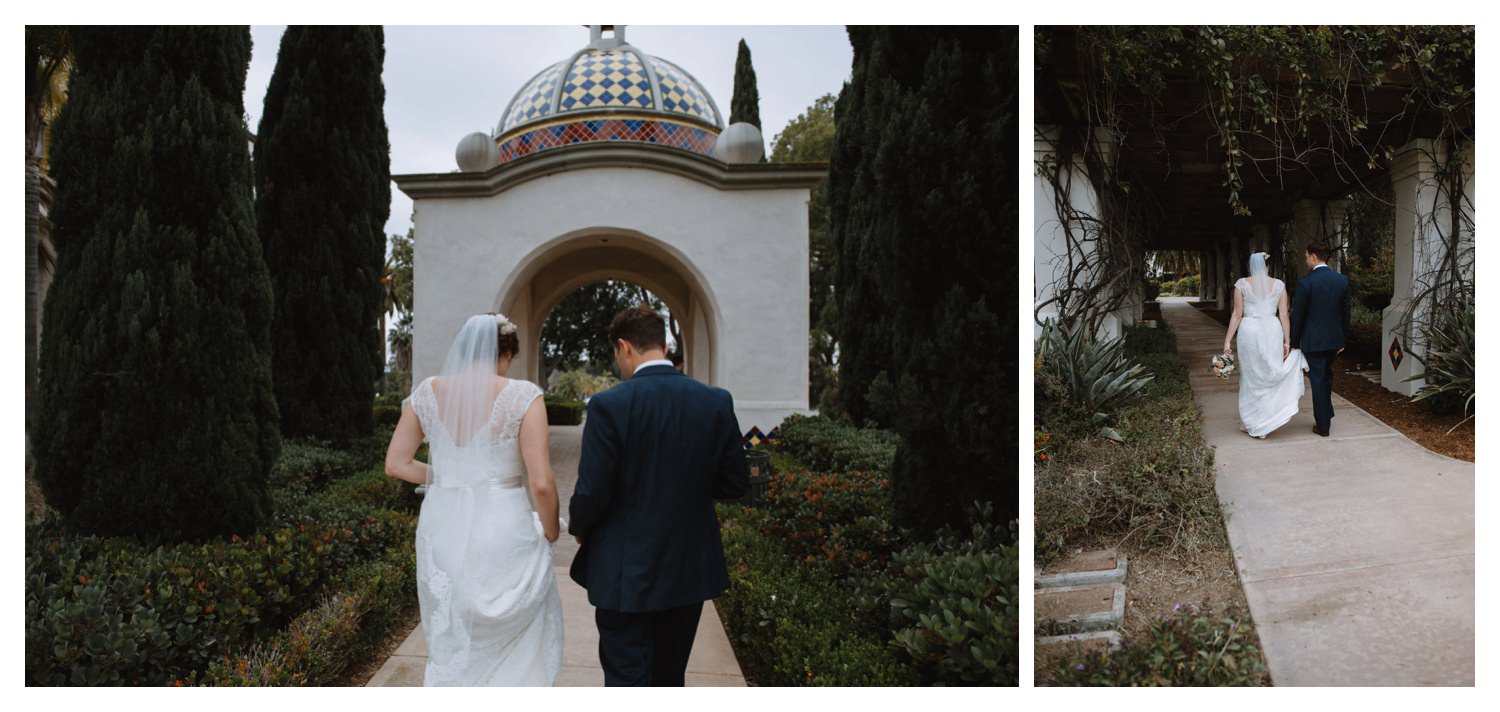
x=609, y=91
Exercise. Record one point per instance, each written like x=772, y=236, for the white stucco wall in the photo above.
x=739, y=258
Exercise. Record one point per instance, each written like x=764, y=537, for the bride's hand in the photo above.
x=1228, y=350
x=1285, y=351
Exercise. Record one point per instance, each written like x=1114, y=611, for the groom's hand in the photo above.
x=578, y=539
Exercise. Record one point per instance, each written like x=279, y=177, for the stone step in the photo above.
x=1086, y=568
x=1082, y=608
x=1050, y=647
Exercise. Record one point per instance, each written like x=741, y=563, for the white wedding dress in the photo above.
x=1270, y=386
x=485, y=585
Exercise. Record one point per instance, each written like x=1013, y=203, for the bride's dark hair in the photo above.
x=509, y=344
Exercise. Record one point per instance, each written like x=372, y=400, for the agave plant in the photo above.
x=1450, y=359
x=1097, y=375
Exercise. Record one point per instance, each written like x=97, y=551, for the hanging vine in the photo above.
x=1278, y=99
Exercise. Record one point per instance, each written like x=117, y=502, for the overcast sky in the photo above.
x=443, y=83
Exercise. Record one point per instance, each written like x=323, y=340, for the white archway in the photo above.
x=557, y=268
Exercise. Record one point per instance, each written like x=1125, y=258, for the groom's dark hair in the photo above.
x=1319, y=250
x=641, y=326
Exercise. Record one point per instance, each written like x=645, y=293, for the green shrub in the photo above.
x=841, y=522
x=1143, y=340
x=1184, y=649
x=1450, y=368
x=564, y=412
x=578, y=384
x=792, y=624
x=386, y=415
x=309, y=465
x=825, y=445
x=1151, y=290
x=118, y=612
x=954, y=607
x=1156, y=483
x=323, y=643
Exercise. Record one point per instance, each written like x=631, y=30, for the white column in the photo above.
x=1239, y=262
x=1423, y=220
x=1052, y=258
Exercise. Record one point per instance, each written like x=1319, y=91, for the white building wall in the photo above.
x=742, y=254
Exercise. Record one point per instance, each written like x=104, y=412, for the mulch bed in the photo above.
x=1413, y=420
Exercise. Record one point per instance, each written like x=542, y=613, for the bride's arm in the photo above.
x=539, y=466
x=1286, y=325
x=1234, y=321
x=400, y=456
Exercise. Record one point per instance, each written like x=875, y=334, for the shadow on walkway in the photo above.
x=1356, y=551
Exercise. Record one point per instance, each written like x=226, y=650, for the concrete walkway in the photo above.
x=712, y=663
x=1356, y=551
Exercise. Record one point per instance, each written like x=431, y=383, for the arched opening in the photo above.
x=572, y=344
x=569, y=262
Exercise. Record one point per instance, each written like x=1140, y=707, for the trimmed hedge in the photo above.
x=386, y=415
x=117, y=612
x=792, y=624
x=564, y=412
x=825, y=445
x=320, y=646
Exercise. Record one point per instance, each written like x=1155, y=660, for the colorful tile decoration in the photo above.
x=682, y=94
x=534, y=101
x=610, y=80
x=1395, y=352
x=753, y=437
x=626, y=128
x=601, y=79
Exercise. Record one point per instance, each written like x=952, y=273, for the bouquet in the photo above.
x=1223, y=366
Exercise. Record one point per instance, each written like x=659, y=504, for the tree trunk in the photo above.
x=33, y=234
x=385, y=356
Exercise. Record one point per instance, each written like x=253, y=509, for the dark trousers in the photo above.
x=646, y=649
x=1320, y=374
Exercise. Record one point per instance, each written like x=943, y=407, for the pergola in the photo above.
x=1165, y=149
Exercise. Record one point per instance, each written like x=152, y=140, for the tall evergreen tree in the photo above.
x=322, y=176
x=923, y=200
x=745, y=105
x=156, y=416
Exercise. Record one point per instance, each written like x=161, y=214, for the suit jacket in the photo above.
x=1320, y=311
x=657, y=450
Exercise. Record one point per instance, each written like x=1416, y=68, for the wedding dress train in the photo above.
x=488, y=596
x=1270, y=386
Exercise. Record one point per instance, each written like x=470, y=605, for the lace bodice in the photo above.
x=491, y=457
x=1260, y=305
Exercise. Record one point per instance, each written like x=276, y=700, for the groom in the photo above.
x=657, y=450
x=1320, y=318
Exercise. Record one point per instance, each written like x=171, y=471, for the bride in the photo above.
x=488, y=596
x=1270, y=370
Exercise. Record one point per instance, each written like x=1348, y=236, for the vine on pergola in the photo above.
x=1278, y=98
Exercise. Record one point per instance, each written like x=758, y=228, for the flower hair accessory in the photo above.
x=507, y=327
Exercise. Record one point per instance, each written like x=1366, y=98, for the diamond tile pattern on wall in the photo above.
x=642, y=130
x=602, y=79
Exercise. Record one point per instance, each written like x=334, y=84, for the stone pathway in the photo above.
x=712, y=663
x=1356, y=551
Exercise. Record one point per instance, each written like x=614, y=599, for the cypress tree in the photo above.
x=156, y=416
x=923, y=199
x=322, y=176
x=745, y=105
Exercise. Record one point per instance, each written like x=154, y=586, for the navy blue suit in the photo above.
x=1320, y=319
x=657, y=451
